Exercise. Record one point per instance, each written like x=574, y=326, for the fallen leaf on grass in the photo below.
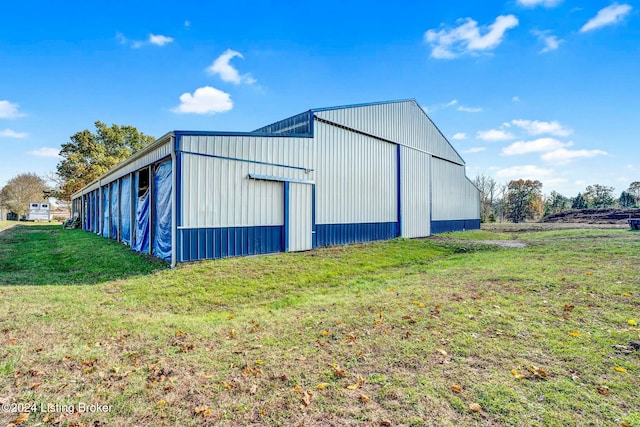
x=324, y=333
x=385, y=423
x=620, y=369
x=574, y=334
x=603, y=391
x=338, y=371
x=627, y=294
x=20, y=419
x=179, y=333
x=517, y=375
x=456, y=388
x=253, y=390
x=632, y=322
x=623, y=424
x=474, y=407
x=306, y=397
x=358, y=383
x=364, y=398
x=35, y=386
x=322, y=386
x=568, y=307
x=442, y=352
x=538, y=372
x=203, y=410
x=162, y=403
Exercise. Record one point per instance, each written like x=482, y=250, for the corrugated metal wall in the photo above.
x=356, y=178
x=454, y=197
x=219, y=193
x=416, y=196
x=402, y=122
x=300, y=217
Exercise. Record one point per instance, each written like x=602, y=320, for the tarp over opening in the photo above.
x=162, y=211
x=141, y=231
x=115, y=212
x=105, y=212
x=125, y=209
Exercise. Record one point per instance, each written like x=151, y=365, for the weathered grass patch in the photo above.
x=352, y=335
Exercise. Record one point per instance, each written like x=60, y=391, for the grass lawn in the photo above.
x=406, y=332
x=7, y=224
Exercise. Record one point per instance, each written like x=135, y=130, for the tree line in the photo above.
x=85, y=157
x=522, y=200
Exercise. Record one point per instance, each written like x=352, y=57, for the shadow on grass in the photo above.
x=49, y=255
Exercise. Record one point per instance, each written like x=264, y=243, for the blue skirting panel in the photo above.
x=207, y=243
x=446, y=226
x=340, y=234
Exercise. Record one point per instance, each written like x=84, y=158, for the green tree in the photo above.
x=22, y=189
x=523, y=200
x=578, y=202
x=634, y=190
x=555, y=203
x=88, y=155
x=599, y=196
x=626, y=200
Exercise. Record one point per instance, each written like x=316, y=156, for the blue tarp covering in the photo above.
x=141, y=236
x=115, y=214
x=96, y=211
x=105, y=212
x=162, y=211
x=125, y=209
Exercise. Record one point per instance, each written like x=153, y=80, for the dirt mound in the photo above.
x=594, y=216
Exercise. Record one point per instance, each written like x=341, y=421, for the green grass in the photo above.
x=239, y=341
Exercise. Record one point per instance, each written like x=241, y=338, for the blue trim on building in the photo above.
x=340, y=234
x=314, y=232
x=223, y=133
x=209, y=243
x=285, y=231
x=245, y=160
x=445, y=226
x=399, y=190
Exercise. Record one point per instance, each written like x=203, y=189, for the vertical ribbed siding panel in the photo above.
x=356, y=179
x=415, y=176
x=454, y=197
x=300, y=217
x=402, y=122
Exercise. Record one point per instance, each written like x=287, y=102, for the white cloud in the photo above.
x=563, y=156
x=452, y=103
x=9, y=110
x=187, y=23
x=524, y=172
x=580, y=182
x=473, y=150
x=226, y=71
x=467, y=37
x=46, y=152
x=550, y=41
x=516, y=99
x=541, y=145
x=159, y=40
x=610, y=15
x=534, y=3
x=10, y=133
x=494, y=135
x=470, y=109
x=459, y=136
x=205, y=100
x=536, y=127
x=154, y=39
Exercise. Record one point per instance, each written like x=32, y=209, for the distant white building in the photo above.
x=39, y=211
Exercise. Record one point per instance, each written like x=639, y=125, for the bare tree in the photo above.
x=22, y=189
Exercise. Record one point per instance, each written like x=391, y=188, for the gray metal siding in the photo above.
x=217, y=191
x=416, y=197
x=300, y=217
x=295, y=152
x=454, y=196
x=356, y=177
x=402, y=122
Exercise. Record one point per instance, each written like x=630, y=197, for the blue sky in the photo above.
x=541, y=89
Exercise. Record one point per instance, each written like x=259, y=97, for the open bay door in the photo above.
x=298, y=216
